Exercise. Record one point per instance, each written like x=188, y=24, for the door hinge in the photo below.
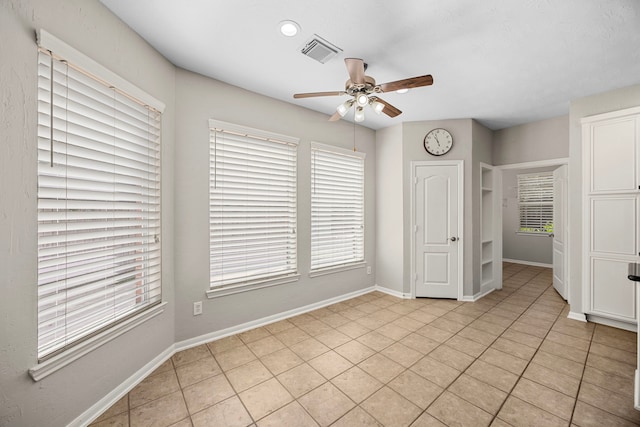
x=415, y=228
x=415, y=179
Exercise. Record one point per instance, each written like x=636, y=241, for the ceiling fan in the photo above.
x=364, y=91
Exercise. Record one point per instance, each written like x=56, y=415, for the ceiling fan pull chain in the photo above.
x=354, y=131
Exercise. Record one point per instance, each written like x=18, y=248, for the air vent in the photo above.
x=319, y=49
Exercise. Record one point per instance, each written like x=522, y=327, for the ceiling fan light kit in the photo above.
x=344, y=107
x=377, y=106
x=364, y=91
x=362, y=99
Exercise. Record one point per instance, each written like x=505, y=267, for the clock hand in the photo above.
x=437, y=140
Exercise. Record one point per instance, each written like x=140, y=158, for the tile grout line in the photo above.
x=584, y=368
x=175, y=371
x=236, y=394
x=492, y=342
x=444, y=389
x=596, y=385
x=409, y=368
x=530, y=360
x=453, y=309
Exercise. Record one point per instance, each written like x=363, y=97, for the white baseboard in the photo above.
x=112, y=397
x=392, y=292
x=636, y=391
x=534, y=264
x=581, y=317
x=633, y=327
x=116, y=394
x=476, y=297
x=216, y=335
x=125, y=387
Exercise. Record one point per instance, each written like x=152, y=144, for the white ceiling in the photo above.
x=502, y=62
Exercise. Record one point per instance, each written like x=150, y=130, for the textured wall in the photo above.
x=413, y=149
x=89, y=27
x=200, y=98
x=389, y=203
x=542, y=140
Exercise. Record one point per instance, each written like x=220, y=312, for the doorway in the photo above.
x=436, y=225
x=545, y=249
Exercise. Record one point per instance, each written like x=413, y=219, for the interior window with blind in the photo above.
x=535, y=202
x=337, y=207
x=252, y=208
x=98, y=204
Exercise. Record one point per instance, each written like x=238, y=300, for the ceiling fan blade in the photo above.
x=410, y=83
x=314, y=94
x=355, y=67
x=336, y=116
x=389, y=109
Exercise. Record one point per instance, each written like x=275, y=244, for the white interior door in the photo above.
x=437, y=233
x=560, y=230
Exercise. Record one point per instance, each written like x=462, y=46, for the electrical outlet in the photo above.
x=197, y=308
x=368, y=269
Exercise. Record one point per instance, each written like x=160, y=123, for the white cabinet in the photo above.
x=611, y=185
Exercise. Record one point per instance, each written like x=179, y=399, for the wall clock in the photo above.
x=438, y=142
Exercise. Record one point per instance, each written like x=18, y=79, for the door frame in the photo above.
x=412, y=183
x=565, y=231
x=499, y=194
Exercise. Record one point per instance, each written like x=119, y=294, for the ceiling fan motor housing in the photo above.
x=368, y=87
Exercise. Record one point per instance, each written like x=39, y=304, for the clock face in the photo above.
x=438, y=142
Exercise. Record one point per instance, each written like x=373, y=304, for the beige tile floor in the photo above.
x=510, y=359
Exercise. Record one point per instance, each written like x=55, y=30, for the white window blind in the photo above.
x=98, y=205
x=337, y=207
x=252, y=206
x=535, y=201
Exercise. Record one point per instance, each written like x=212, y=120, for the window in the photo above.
x=252, y=208
x=98, y=201
x=337, y=207
x=535, y=201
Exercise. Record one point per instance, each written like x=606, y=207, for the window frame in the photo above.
x=538, y=201
x=259, y=135
x=359, y=260
x=107, y=330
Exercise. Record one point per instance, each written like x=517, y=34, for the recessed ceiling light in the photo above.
x=289, y=28
x=402, y=90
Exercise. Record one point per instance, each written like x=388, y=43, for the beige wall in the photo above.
x=92, y=29
x=472, y=144
x=413, y=134
x=199, y=99
x=541, y=140
x=190, y=101
x=389, y=209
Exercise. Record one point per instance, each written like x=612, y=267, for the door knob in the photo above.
x=453, y=239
